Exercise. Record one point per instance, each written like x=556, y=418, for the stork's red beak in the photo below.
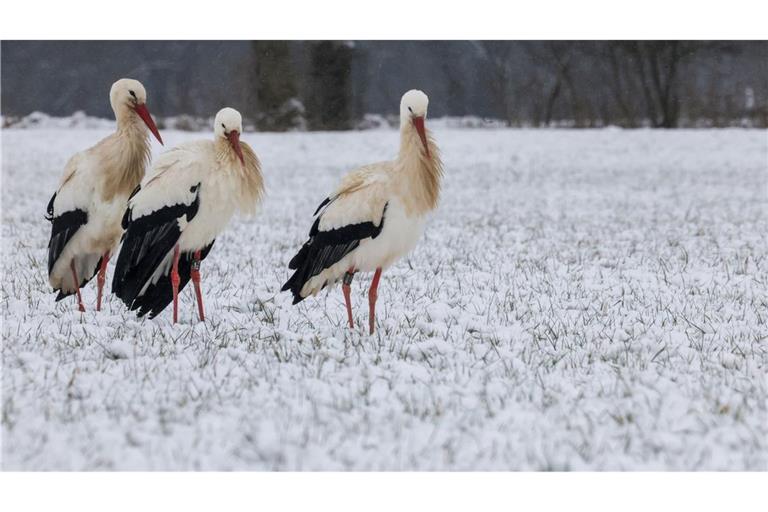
x=234, y=139
x=143, y=113
x=418, y=123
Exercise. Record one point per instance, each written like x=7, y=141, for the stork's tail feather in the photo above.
x=323, y=250
x=312, y=260
x=84, y=279
x=300, y=257
x=156, y=297
x=296, y=282
x=63, y=229
x=142, y=254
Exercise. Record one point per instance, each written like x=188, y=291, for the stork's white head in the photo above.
x=413, y=104
x=228, y=125
x=128, y=97
x=413, y=111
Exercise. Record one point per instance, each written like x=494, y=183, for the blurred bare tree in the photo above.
x=330, y=103
x=501, y=59
x=275, y=90
x=658, y=67
x=524, y=83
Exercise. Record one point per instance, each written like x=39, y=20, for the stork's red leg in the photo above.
x=347, y=289
x=102, y=278
x=196, y=281
x=175, y=283
x=372, y=294
x=80, y=304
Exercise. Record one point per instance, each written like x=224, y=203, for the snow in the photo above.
x=188, y=123
x=39, y=120
x=581, y=300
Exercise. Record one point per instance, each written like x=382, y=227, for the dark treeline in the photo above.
x=330, y=85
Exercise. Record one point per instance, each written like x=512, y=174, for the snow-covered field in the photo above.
x=581, y=300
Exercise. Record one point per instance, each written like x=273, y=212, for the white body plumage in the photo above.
x=184, y=203
x=402, y=227
x=100, y=234
x=87, y=207
x=170, y=182
x=377, y=214
x=399, y=236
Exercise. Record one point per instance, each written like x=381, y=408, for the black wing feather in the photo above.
x=63, y=228
x=146, y=243
x=49, y=208
x=157, y=296
x=325, y=202
x=127, y=215
x=326, y=248
x=83, y=281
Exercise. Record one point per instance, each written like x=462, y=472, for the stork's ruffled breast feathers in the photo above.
x=426, y=179
x=251, y=181
x=124, y=161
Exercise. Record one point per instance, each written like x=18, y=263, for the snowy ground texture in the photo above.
x=581, y=300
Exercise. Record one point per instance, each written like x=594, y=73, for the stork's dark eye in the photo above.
x=410, y=110
x=132, y=93
x=222, y=125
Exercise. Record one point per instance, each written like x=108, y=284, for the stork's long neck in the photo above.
x=421, y=175
x=225, y=154
x=131, y=124
x=126, y=156
x=247, y=175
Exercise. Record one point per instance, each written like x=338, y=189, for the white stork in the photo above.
x=374, y=217
x=174, y=216
x=86, y=209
